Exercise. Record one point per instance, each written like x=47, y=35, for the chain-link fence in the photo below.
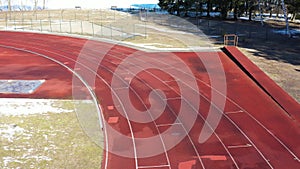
x=99, y=23
x=116, y=25
x=248, y=32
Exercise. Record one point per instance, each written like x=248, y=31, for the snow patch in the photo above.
x=20, y=107
x=10, y=131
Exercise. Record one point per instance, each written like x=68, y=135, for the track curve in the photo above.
x=254, y=131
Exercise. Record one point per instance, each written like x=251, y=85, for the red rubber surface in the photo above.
x=290, y=105
x=251, y=117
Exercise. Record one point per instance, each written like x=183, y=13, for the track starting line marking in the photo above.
x=156, y=166
x=240, y=146
x=164, y=125
x=174, y=98
x=234, y=112
x=121, y=88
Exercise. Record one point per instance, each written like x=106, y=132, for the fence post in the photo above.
x=61, y=15
x=50, y=21
x=22, y=20
x=208, y=26
x=101, y=29
x=236, y=27
x=110, y=31
x=122, y=32
x=145, y=29
x=41, y=25
x=50, y=25
x=267, y=33
x=31, y=24
x=93, y=29
x=60, y=26
x=134, y=31
x=15, y=22
x=70, y=26
x=81, y=27
x=6, y=19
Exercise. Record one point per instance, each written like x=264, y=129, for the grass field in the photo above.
x=47, y=139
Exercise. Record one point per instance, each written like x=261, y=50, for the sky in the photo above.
x=96, y=3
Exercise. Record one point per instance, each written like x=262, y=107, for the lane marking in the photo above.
x=240, y=146
x=234, y=112
x=174, y=98
x=124, y=73
x=164, y=125
x=214, y=157
x=113, y=120
x=155, y=166
x=120, y=88
x=297, y=159
x=110, y=107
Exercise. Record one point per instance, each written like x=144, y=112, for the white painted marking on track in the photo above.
x=240, y=146
x=164, y=125
x=155, y=166
x=234, y=112
x=174, y=98
x=125, y=73
x=297, y=159
x=121, y=88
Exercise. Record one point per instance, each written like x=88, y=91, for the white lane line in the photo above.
x=120, y=88
x=234, y=112
x=164, y=125
x=297, y=159
x=174, y=98
x=99, y=108
x=155, y=166
x=252, y=143
x=242, y=130
x=240, y=146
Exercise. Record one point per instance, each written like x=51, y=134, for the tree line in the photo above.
x=237, y=7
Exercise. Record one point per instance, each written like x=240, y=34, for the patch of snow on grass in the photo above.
x=9, y=131
x=7, y=160
x=19, y=107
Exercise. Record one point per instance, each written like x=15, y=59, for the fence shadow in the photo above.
x=263, y=39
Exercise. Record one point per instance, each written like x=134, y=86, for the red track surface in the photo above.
x=289, y=104
x=254, y=132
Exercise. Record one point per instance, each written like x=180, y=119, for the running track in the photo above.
x=254, y=132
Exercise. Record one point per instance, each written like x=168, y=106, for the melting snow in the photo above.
x=9, y=131
x=19, y=107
